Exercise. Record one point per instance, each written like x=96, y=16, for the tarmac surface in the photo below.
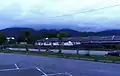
x=31, y=65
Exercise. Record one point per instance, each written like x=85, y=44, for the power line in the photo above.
x=87, y=11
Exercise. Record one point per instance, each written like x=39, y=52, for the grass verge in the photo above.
x=109, y=58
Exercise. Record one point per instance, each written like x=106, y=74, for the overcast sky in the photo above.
x=75, y=12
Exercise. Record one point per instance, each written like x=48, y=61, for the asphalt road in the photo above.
x=52, y=65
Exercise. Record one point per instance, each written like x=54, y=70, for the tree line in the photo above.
x=30, y=38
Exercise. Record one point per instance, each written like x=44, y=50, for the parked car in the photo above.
x=113, y=53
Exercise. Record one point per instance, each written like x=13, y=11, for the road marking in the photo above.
x=54, y=74
x=68, y=74
x=13, y=69
x=58, y=74
x=8, y=69
x=17, y=66
x=41, y=71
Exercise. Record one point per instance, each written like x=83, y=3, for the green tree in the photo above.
x=2, y=38
x=20, y=39
x=84, y=34
x=49, y=35
x=32, y=39
x=26, y=34
x=60, y=35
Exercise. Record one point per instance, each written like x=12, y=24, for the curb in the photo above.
x=117, y=62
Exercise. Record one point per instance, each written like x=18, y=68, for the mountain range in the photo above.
x=16, y=31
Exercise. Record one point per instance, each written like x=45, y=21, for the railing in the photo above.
x=92, y=52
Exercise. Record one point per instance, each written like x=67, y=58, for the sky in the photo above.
x=89, y=15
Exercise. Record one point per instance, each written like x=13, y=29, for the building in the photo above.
x=70, y=41
x=10, y=38
x=55, y=41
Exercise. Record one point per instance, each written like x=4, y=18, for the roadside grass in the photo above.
x=95, y=57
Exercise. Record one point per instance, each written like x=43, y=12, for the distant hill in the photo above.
x=16, y=31
x=109, y=33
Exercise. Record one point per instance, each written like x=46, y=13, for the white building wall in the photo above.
x=23, y=42
x=78, y=43
x=56, y=43
x=68, y=44
x=46, y=44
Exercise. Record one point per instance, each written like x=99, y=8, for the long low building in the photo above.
x=70, y=41
x=55, y=41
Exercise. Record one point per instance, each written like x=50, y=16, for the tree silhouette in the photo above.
x=84, y=34
x=26, y=34
x=2, y=38
x=60, y=35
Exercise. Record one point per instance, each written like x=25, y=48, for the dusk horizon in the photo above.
x=96, y=15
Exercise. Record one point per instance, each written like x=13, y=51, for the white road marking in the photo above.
x=13, y=69
x=41, y=71
x=8, y=69
x=17, y=66
x=58, y=74
x=68, y=74
x=54, y=74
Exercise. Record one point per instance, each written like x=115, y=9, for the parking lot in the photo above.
x=15, y=70
x=31, y=65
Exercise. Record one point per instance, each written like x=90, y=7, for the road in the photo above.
x=55, y=65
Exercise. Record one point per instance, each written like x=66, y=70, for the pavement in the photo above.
x=31, y=65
